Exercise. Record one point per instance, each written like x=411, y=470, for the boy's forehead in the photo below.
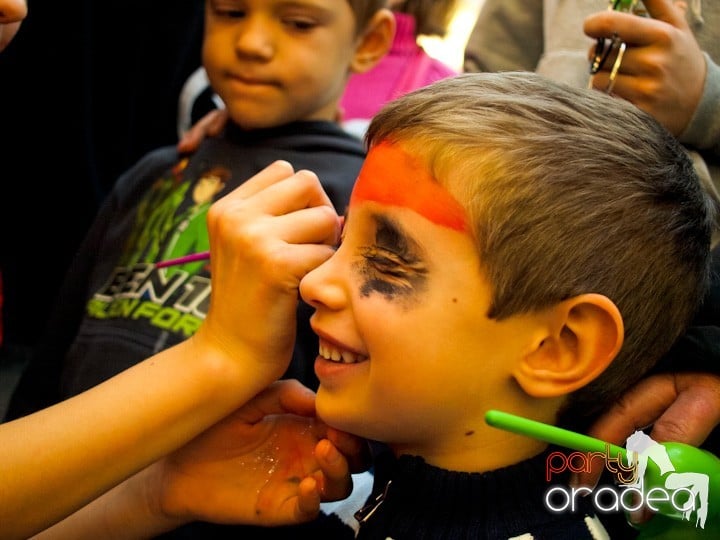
x=392, y=176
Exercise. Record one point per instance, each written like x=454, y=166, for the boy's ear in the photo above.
x=577, y=341
x=374, y=42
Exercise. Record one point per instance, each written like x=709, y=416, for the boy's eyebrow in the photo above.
x=319, y=6
x=393, y=235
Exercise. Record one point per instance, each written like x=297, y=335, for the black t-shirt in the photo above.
x=115, y=309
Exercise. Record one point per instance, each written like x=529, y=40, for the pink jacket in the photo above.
x=406, y=67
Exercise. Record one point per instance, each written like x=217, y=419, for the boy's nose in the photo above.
x=320, y=288
x=12, y=10
x=254, y=40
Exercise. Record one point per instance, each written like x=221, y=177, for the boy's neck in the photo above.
x=486, y=448
x=481, y=452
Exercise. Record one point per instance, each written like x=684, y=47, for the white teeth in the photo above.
x=337, y=355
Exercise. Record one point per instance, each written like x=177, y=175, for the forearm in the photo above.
x=55, y=461
x=124, y=512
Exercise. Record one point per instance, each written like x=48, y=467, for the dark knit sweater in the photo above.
x=426, y=502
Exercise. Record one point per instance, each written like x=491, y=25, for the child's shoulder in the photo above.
x=145, y=171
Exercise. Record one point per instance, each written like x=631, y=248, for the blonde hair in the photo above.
x=570, y=191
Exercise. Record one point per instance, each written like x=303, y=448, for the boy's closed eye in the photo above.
x=295, y=16
x=391, y=238
x=389, y=263
x=303, y=17
x=392, y=264
x=228, y=8
x=299, y=23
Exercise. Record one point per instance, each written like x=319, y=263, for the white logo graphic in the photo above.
x=678, y=494
x=643, y=448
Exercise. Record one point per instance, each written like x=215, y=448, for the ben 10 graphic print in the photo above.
x=170, y=222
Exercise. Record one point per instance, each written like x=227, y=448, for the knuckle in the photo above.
x=308, y=177
x=327, y=213
x=671, y=430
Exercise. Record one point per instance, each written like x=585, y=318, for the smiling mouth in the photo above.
x=339, y=356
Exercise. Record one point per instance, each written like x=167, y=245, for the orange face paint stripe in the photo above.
x=393, y=177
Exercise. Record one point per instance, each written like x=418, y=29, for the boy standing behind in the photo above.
x=281, y=68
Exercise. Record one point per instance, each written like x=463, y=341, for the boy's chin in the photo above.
x=249, y=118
x=325, y=409
x=338, y=413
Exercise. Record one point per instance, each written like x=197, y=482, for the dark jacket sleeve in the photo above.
x=698, y=349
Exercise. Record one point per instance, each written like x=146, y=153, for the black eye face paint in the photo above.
x=393, y=265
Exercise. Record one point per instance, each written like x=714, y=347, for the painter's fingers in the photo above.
x=355, y=449
x=303, y=212
x=637, y=31
x=301, y=190
x=265, y=236
x=336, y=482
x=275, y=172
x=278, y=190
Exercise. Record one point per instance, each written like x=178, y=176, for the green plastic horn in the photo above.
x=668, y=523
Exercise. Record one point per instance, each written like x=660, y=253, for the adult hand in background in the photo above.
x=663, y=69
x=210, y=125
x=681, y=407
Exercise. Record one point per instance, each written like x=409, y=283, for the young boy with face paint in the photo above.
x=510, y=244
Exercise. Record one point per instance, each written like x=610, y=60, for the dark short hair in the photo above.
x=364, y=11
x=432, y=17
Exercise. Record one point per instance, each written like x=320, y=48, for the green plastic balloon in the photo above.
x=688, y=464
x=686, y=460
x=664, y=528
